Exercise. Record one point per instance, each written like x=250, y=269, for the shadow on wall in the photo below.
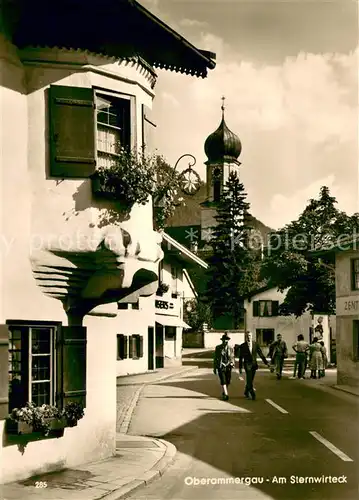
x=112, y=213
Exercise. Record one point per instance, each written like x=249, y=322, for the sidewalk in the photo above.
x=138, y=459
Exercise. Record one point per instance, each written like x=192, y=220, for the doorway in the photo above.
x=159, y=346
x=151, y=347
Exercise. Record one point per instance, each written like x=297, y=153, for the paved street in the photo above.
x=267, y=441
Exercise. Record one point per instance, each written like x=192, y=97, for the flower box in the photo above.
x=56, y=424
x=14, y=427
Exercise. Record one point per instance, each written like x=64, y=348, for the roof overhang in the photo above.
x=116, y=28
x=170, y=321
x=342, y=244
x=172, y=247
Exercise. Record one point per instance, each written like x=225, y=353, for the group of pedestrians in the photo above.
x=312, y=355
x=224, y=360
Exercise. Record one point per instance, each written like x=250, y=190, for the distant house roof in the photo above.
x=171, y=246
x=116, y=28
x=341, y=244
x=186, y=220
x=259, y=290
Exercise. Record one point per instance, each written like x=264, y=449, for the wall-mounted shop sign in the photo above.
x=164, y=304
x=347, y=306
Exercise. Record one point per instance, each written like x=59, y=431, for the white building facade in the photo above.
x=65, y=267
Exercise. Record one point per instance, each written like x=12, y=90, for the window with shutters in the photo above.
x=265, y=308
x=41, y=362
x=87, y=130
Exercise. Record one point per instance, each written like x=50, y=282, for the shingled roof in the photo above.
x=116, y=28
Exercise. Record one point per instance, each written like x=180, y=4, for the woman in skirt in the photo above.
x=316, y=359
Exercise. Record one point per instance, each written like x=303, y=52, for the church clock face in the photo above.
x=217, y=173
x=190, y=181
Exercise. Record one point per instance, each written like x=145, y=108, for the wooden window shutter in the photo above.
x=4, y=371
x=130, y=346
x=120, y=346
x=275, y=307
x=71, y=365
x=125, y=347
x=140, y=354
x=256, y=308
x=72, y=132
x=148, y=130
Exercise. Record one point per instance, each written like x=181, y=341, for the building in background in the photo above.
x=346, y=258
x=263, y=320
x=76, y=84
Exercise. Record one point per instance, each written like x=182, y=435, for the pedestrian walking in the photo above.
x=301, y=348
x=325, y=358
x=316, y=359
x=223, y=362
x=248, y=353
x=278, y=352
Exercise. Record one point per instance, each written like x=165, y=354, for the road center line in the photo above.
x=331, y=447
x=282, y=410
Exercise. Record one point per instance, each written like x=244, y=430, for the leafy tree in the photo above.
x=290, y=263
x=232, y=265
x=196, y=313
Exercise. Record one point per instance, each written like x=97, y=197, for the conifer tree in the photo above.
x=231, y=264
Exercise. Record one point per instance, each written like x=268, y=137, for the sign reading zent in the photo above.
x=347, y=306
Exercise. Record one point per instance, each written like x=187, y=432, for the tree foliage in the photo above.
x=290, y=263
x=232, y=265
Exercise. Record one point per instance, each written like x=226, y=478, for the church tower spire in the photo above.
x=222, y=149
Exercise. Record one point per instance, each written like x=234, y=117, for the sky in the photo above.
x=289, y=72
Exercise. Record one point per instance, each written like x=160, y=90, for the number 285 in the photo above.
x=40, y=484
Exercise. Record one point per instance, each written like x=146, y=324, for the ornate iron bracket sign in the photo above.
x=189, y=178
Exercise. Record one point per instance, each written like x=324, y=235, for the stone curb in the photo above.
x=125, y=424
x=148, y=477
x=344, y=389
x=163, y=463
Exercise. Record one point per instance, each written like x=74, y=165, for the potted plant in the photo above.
x=32, y=418
x=128, y=181
x=44, y=419
x=72, y=413
x=162, y=288
x=134, y=178
x=21, y=420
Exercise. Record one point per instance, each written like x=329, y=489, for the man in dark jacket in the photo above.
x=248, y=353
x=278, y=352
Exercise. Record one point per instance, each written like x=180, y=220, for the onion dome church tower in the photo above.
x=222, y=149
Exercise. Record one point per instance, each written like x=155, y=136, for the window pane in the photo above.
x=269, y=307
x=41, y=368
x=40, y=340
x=356, y=265
x=108, y=140
x=356, y=280
x=41, y=393
x=261, y=307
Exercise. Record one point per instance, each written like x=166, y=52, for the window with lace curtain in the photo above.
x=113, y=128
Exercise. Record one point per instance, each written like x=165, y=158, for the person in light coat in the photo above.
x=223, y=363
